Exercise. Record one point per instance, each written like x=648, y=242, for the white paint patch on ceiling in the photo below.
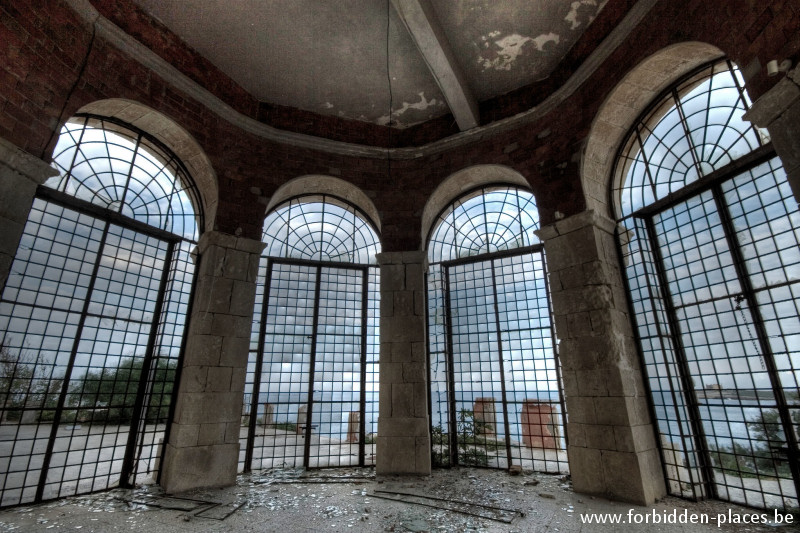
x=573, y=17
x=434, y=106
x=542, y=40
x=504, y=52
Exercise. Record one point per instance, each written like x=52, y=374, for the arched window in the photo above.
x=311, y=397
x=494, y=376
x=92, y=315
x=709, y=232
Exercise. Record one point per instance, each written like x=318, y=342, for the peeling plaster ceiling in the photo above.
x=330, y=56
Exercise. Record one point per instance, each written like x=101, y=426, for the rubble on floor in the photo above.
x=353, y=499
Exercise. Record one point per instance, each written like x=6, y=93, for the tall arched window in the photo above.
x=92, y=315
x=494, y=376
x=311, y=397
x=709, y=231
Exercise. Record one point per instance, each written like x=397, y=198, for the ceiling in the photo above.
x=330, y=56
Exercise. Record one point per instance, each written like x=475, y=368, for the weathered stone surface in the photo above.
x=611, y=410
x=20, y=174
x=242, y=298
x=413, y=372
x=193, y=378
x=403, y=455
x=421, y=400
x=402, y=328
x=402, y=400
x=232, y=432
x=393, y=278
x=418, y=351
x=403, y=303
x=403, y=427
x=603, y=382
x=403, y=373
x=209, y=403
x=401, y=352
x=622, y=472
x=211, y=434
x=237, y=265
x=415, y=277
x=196, y=467
x=581, y=409
x=391, y=373
x=599, y=437
x=577, y=436
x=185, y=435
x=387, y=304
x=778, y=110
x=203, y=350
x=234, y=352
x=219, y=379
x=587, y=464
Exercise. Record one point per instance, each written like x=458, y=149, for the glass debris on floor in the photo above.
x=341, y=500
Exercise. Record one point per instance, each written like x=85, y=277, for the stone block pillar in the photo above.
x=612, y=448
x=778, y=110
x=203, y=448
x=403, y=442
x=20, y=174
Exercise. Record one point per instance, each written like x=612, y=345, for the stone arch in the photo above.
x=624, y=104
x=320, y=184
x=461, y=182
x=176, y=138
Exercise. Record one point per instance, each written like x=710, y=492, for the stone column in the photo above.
x=778, y=110
x=612, y=448
x=20, y=174
x=403, y=442
x=203, y=448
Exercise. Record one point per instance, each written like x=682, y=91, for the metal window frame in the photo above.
x=709, y=183
x=317, y=266
x=492, y=258
x=107, y=218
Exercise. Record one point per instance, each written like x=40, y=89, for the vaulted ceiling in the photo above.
x=351, y=58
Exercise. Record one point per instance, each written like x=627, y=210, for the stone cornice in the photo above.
x=24, y=163
x=588, y=218
x=139, y=52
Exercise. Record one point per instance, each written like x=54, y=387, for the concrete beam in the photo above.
x=420, y=20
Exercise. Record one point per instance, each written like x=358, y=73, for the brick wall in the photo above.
x=52, y=66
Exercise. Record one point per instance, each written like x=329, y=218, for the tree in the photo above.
x=468, y=431
x=767, y=430
x=109, y=394
x=24, y=384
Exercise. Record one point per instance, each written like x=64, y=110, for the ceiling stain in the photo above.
x=545, y=38
x=505, y=51
x=572, y=16
x=422, y=105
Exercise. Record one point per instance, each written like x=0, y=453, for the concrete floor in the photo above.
x=353, y=500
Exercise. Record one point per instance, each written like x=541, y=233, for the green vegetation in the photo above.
x=468, y=431
x=103, y=395
x=285, y=426
x=767, y=457
x=24, y=383
x=108, y=395
x=474, y=442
